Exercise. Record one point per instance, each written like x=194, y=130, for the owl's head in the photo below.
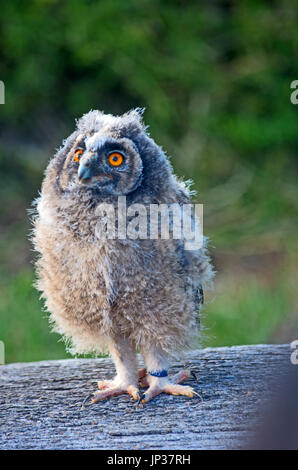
x=111, y=155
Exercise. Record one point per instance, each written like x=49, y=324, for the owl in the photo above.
x=117, y=294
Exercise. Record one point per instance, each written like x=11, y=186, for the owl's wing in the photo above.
x=195, y=263
x=198, y=272
x=198, y=300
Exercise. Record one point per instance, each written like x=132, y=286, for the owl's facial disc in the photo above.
x=93, y=167
x=90, y=168
x=106, y=165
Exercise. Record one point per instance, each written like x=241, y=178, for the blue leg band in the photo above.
x=159, y=373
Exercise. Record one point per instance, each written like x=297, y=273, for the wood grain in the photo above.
x=40, y=403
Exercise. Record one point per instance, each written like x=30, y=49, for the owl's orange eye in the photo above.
x=78, y=154
x=115, y=159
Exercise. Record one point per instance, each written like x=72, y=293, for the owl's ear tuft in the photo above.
x=136, y=115
x=131, y=123
x=90, y=122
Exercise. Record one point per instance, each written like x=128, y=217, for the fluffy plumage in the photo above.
x=116, y=295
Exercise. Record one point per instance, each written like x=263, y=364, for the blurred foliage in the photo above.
x=26, y=327
x=215, y=80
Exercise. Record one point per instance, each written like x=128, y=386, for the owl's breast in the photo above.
x=73, y=274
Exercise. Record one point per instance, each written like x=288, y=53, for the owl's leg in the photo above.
x=126, y=381
x=157, y=363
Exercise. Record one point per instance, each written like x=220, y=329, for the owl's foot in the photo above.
x=160, y=385
x=113, y=390
x=142, y=378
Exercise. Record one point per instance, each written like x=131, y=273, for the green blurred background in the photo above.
x=215, y=79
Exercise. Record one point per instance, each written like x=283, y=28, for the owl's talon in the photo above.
x=194, y=376
x=196, y=393
x=141, y=399
x=134, y=392
x=86, y=399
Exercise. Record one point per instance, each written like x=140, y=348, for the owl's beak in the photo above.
x=85, y=166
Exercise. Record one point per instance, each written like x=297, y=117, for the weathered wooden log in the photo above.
x=40, y=403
